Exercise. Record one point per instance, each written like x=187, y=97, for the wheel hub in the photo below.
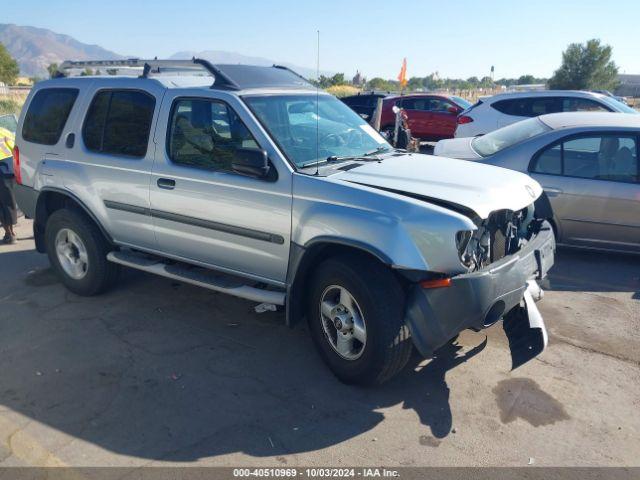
x=342, y=322
x=72, y=253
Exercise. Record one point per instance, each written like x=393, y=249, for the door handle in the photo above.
x=166, y=183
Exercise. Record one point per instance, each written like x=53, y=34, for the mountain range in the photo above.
x=36, y=48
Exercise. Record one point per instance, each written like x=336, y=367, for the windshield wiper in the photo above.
x=365, y=157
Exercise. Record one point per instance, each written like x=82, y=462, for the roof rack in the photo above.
x=155, y=66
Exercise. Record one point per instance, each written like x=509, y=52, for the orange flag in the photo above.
x=402, y=76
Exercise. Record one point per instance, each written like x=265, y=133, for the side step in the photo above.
x=202, y=277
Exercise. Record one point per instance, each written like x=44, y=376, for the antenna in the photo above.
x=318, y=103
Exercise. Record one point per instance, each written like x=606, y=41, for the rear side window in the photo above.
x=119, y=122
x=517, y=106
x=47, y=115
x=529, y=107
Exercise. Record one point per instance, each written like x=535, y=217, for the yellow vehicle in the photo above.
x=8, y=125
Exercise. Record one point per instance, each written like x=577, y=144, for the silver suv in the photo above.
x=247, y=180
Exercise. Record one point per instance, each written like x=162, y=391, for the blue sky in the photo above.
x=456, y=38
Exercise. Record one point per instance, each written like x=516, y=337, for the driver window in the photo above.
x=206, y=134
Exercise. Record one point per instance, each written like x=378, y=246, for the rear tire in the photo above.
x=78, y=251
x=377, y=304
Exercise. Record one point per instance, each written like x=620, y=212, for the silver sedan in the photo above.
x=587, y=164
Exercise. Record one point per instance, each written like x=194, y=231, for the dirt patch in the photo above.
x=523, y=398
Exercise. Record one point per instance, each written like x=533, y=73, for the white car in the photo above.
x=501, y=110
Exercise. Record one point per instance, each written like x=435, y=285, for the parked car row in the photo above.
x=436, y=117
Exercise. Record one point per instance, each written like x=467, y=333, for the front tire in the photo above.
x=78, y=251
x=356, y=318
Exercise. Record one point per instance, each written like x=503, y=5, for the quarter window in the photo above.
x=206, y=134
x=550, y=161
x=598, y=157
x=47, y=115
x=570, y=104
x=119, y=122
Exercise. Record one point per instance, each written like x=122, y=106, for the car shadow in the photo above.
x=590, y=271
x=160, y=370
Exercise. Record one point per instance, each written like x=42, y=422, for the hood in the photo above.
x=456, y=148
x=475, y=186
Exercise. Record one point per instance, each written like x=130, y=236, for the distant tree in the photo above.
x=9, y=69
x=326, y=82
x=112, y=71
x=586, y=66
x=526, y=80
x=378, y=83
x=415, y=83
x=473, y=81
x=87, y=72
x=486, y=82
x=52, y=69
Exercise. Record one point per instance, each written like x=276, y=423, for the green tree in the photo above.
x=52, y=69
x=326, y=82
x=378, y=83
x=526, y=80
x=9, y=69
x=486, y=82
x=586, y=66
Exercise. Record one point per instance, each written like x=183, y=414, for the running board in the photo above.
x=202, y=277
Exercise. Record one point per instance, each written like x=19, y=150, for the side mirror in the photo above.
x=251, y=162
x=453, y=110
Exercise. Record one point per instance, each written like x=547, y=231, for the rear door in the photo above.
x=205, y=213
x=113, y=154
x=444, y=118
x=420, y=119
x=592, y=183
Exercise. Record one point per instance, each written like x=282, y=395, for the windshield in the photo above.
x=306, y=137
x=461, y=102
x=618, y=106
x=505, y=137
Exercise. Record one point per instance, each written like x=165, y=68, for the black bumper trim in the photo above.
x=476, y=300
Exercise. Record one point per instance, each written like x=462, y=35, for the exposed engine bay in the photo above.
x=503, y=233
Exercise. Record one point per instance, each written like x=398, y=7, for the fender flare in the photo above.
x=38, y=224
x=300, y=260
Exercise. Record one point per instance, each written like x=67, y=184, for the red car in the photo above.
x=431, y=117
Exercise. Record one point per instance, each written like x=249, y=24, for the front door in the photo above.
x=592, y=183
x=205, y=213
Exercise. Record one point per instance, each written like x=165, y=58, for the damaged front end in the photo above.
x=503, y=257
x=504, y=233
